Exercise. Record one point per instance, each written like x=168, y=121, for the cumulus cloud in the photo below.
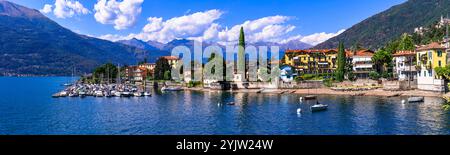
x=154, y=24
x=318, y=38
x=47, y=8
x=202, y=26
x=263, y=29
x=65, y=8
x=121, y=14
x=188, y=26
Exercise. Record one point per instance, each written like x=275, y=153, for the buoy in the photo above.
x=301, y=99
x=403, y=101
x=299, y=111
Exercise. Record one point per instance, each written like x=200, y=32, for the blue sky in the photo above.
x=310, y=21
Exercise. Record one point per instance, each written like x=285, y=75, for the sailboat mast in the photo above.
x=118, y=72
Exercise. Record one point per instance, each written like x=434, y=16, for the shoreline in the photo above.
x=327, y=91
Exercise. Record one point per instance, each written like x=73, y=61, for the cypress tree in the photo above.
x=241, y=53
x=341, y=61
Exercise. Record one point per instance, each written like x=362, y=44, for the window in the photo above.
x=419, y=73
x=430, y=55
x=439, y=63
x=429, y=73
x=424, y=73
x=439, y=53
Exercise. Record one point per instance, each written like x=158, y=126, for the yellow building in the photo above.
x=312, y=61
x=429, y=57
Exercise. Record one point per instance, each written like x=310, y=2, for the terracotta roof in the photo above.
x=170, y=57
x=431, y=46
x=348, y=53
x=404, y=53
x=363, y=52
x=312, y=51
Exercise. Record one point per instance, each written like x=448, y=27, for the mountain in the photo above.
x=376, y=31
x=159, y=49
x=138, y=43
x=153, y=53
x=32, y=44
x=156, y=44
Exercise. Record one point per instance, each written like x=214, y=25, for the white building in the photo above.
x=404, y=65
x=362, y=62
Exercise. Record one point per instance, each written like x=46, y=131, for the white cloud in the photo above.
x=65, y=8
x=47, y=8
x=154, y=24
x=264, y=29
x=318, y=38
x=121, y=14
x=116, y=37
x=188, y=26
x=202, y=26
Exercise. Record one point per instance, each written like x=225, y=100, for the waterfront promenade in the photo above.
x=329, y=91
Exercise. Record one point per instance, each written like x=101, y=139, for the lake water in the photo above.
x=26, y=107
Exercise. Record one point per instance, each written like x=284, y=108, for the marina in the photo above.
x=102, y=90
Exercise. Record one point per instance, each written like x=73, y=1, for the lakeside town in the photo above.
x=405, y=70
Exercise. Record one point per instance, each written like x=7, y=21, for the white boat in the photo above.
x=137, y=94
x=126, y=94
x=60, y=94
x=98, y=93
x=231, y=103
x=147, y=94
x=67, y=84
x=415, y=99
x=73, y=95
x=319, y=107
x=117, y=94
x=82, y=94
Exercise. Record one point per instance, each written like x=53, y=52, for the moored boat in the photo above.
x=137, y=94
x=126, y=94
x=319, y=107
x=147, y=94
x=165, y=88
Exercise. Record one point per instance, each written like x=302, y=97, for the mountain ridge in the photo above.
x=377, y=30
x=32, y=44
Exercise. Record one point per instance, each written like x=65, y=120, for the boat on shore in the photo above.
x=415, y=99
x=310, y=97
x=166, y=88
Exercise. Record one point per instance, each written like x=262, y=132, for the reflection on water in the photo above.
x=27, y=108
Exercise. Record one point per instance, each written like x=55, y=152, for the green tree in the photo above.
x=382, y=60
x=341, y=61
x=105, y=73
x=241, y=51
x=406, y=43
x=162, y=66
